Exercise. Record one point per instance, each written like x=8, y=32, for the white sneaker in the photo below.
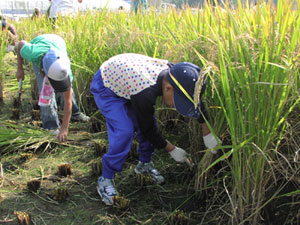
x=80, y=118
x=149, y=169
x=106, y=190
x=54, y=132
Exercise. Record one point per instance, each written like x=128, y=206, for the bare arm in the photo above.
x=20, y=70
x=205, y=129
x=63, y=134
x=169, y=147
x=13, y=30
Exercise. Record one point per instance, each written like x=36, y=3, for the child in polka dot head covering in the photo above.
x=125, y=89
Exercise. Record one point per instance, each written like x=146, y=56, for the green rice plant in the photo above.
x=2, y=53
x=255, y=89
x=14, y=137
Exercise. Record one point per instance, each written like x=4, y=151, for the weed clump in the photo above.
x=97, y=167
x=133, y=150
x=64, y=169
x=35, y=114
x=15, y=113
x=33, y=185
x=60, y=193
x=23, y=218
x=178, y=218
x=143, y=180
x=100, y=147
x=121, y=202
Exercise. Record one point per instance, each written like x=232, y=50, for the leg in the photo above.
x=145, y=149
x=119, y=125
x=48, y=113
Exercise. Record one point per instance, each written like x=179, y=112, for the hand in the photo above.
x=20, y=74
x=63, y=135
x=211, y=142
x=178, y=154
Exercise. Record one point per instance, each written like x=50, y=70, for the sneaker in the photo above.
x=80, y=118
x=148, y=169
x=106, y=190
x=54, y=132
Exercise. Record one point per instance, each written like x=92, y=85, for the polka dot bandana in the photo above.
x=128, y=74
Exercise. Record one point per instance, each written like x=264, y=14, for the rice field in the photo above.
x=251, y=58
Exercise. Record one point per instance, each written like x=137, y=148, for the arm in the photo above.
x=13, y=34
x=210, y=141
x=205, y=129
x=13, y=30
x=63, y=133
x=143, y=105
x=20, y=70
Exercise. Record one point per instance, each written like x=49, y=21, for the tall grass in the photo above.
x=252, y=87
x=257, y=52
x=2, y=53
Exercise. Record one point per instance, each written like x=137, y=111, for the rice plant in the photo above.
x=14, y=137
x=256, y=82
x=2, y=53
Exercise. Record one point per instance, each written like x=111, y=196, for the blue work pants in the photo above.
x=122, y=127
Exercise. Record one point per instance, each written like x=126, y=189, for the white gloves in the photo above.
x=210, y=142
x=178, y=154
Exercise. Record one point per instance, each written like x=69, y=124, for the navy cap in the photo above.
x=183, y=77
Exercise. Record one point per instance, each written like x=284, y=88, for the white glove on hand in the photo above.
x=178, y=154
x=210, y=142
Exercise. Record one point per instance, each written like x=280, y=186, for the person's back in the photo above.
x=12, y=32
x=63, y=8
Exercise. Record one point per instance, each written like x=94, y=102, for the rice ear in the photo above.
x=199, y=85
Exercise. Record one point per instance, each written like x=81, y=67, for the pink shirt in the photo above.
x=128, y=74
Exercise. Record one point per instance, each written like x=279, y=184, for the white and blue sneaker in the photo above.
x=81, y=117
x=106, y=190
x=54, y=132
x=149, y=169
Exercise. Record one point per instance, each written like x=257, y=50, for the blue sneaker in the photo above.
x=106, y=190
x=149, y=169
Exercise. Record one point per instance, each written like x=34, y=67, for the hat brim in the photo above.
x=184, y=106
x=62, y=85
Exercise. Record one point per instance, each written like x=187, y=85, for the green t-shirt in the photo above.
x=35, y=49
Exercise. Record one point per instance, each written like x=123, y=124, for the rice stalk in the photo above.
x=256, y=99
x=2, y=53
x=14, y=137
